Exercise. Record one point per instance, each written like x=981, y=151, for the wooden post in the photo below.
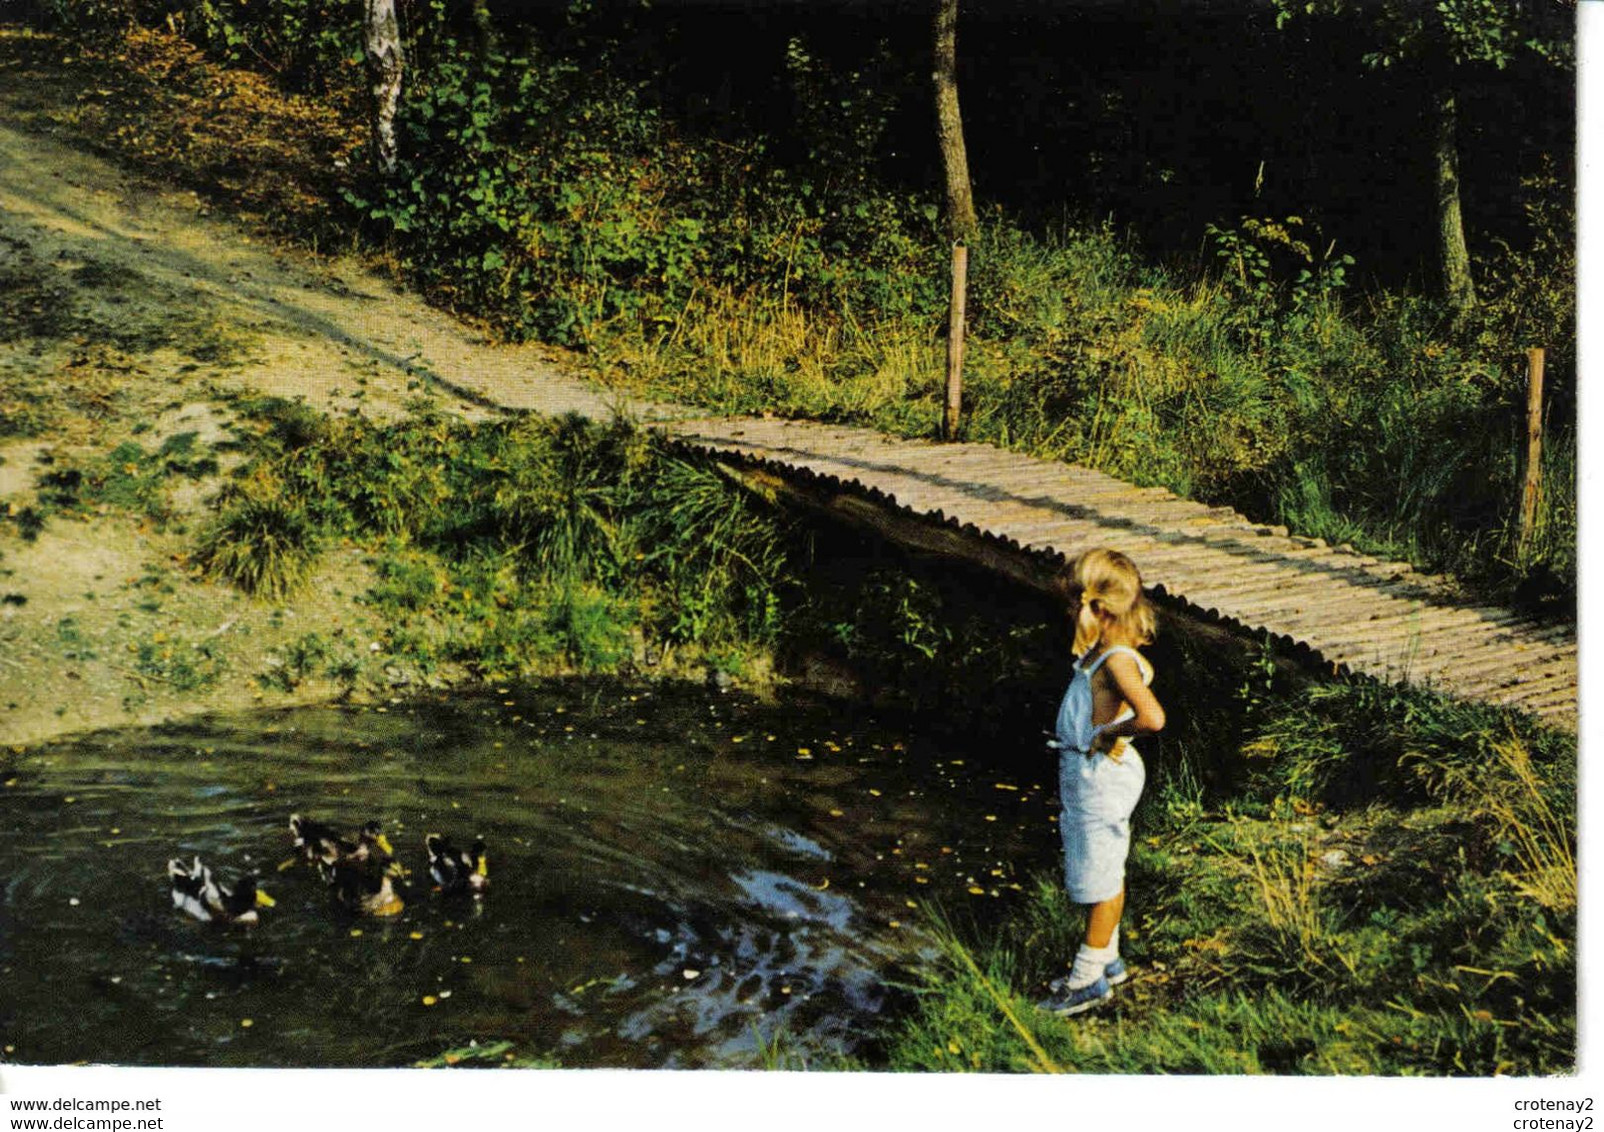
x=1534, y=447
x=955, y=341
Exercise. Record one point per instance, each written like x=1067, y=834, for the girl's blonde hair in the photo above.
x=1108, y=585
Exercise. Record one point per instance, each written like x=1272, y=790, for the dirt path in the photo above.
x=135, y=315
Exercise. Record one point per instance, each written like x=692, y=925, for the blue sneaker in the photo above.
x=1116, y=973
x=1065, y=1002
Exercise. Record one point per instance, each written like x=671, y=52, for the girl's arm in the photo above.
x=1149, y=715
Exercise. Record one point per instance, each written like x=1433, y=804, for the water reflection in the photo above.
x=677, y=874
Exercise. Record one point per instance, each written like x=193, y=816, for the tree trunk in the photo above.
x=383, y=43
x=1458, y=286
x=961, y=222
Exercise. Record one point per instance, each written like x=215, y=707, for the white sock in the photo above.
x=1113, y=945
x=1089, y=964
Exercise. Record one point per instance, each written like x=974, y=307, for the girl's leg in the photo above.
x=1103, y=919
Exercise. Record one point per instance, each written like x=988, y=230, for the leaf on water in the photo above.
x=977, y=892
x=429, y=1000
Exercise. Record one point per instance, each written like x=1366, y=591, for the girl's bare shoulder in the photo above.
x=1127, y=657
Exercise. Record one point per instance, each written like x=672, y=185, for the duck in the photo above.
x=320, y=843
x=363, y=887
x=455, y=870
x=197, y=892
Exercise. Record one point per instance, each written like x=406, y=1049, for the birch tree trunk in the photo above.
x=961, y=222
x=382, y=39
x=1458, y=286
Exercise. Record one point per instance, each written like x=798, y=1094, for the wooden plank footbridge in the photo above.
x=1016, y=515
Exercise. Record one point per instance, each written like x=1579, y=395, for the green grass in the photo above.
x=264, y=542
x=1425, y=925
x=509, y=548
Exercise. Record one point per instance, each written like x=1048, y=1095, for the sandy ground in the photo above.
x=149, y=315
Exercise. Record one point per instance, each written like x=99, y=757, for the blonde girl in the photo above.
x=1100, y=775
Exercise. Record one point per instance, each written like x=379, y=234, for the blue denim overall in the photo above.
x=1098, y=791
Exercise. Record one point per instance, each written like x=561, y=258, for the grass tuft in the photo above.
x=264, y=542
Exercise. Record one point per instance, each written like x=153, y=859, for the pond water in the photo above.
x=678, y=876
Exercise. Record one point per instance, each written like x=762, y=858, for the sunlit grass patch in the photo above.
x=264, y=541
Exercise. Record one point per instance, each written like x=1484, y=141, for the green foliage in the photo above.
x=1457, y=31
x=75, y=646
x=530, y=197
x=128, y=478
x=511, y=547
x=1351, y=744
x=1257, y=261
x=302, y=42
x=1528, y=284
x=264, y=541
x=556, y=201
x=721, y=554
x=299, y=662
x=182, y=666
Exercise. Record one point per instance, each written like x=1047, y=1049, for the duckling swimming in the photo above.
x=455, y=870
x=363, y=887
x=320, y=843
x=197, y=892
